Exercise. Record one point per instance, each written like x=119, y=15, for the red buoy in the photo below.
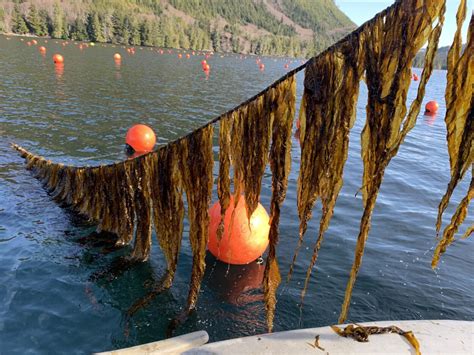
x=262, y=66
x=415, y=77
x=58, y=59
x=117, y=56
x=141, y=138
x=432, y=107
x=286, y=66
x=239, y=244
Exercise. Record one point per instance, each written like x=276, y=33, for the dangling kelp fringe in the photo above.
x=388, y=71
x=282, y=100
x=361, y=333
x=196, y=161
x=460, y=126
x=168, y=213
x=327, y=114
x=223, y=182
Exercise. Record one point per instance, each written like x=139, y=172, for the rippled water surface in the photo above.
x=56, y=294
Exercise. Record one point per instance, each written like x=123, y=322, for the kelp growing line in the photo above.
x=129, y=197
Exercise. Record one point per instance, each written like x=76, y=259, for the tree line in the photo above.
x=150, y=27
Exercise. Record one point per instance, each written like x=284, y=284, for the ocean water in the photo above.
x=57, y=292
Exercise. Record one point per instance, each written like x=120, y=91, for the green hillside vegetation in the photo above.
x=440, y=61
x=244, y=26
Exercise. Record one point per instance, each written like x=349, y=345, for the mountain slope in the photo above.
x=273, y=27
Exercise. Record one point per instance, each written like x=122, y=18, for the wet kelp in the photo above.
x=126, y=198
x=361, y=333
x=388, y=75
x=460, y=127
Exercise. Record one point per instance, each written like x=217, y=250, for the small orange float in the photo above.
x=141, y=138
x=432, y=107
x=58, y=59
x=117, y=56
x=240, y=244
x=42, y=49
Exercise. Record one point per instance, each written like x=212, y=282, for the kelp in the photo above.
x=128, y=197
x=282, y=100
x=361, y=333
x=327, y=114
x=388, y=75
x=460, y=128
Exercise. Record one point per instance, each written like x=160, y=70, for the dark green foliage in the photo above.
x=18, y=22
x=58, y=23
x=211, y=25
x=94, y=28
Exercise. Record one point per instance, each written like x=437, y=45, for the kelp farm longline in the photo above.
x=129, y=197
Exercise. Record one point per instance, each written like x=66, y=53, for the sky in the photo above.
x=360, y=11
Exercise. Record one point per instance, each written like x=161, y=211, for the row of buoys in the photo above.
x=242, y=240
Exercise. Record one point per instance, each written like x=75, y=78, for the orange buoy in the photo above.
x=415, y=77
x=188, y=56
x=432, y=107
x=262, y=66
x=286, y=66
x=239, y=244
x=28, y=43
x=141, y=138
x=180, y=56
x=42, y=49
x=117, y=56
x=58, y=59
x=34, y=41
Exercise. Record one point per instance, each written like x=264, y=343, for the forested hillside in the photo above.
x=441, y=59
x=267, y=27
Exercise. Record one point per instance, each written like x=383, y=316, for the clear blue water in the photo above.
x=55, y=293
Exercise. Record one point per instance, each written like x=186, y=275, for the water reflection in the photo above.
x=59, y=70
x=235, y=284
x=430, y=117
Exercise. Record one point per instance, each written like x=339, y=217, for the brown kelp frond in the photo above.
x=388, y=73
x=327, y=114
x=361, y=333
x=468, y=232
x=168, y=206
x=196, y=161
x=281, y=100
x=223, y=182
x=459, y=109
x=458, y=218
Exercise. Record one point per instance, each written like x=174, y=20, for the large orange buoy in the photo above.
x=58, y=59
x=117, y=56
x=239, y=244
x=141, y=138
x=432, y=107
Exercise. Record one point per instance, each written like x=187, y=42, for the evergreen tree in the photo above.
x=57, y=22
x=78, y=30
x=94, y=28
x=134, y=30
x=33, y=21
x=18, y=22
x=2, y=20
x=44, y=23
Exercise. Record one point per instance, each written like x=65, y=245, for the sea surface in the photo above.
x=57, y=291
